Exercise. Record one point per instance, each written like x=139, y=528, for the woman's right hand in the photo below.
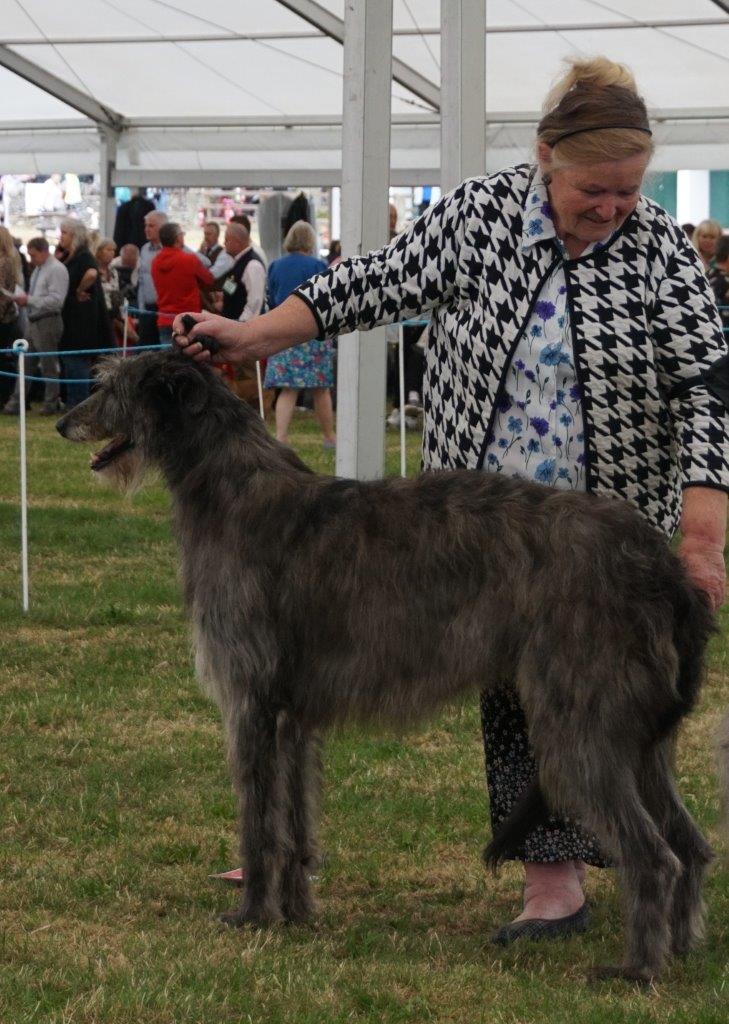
x=234, y=338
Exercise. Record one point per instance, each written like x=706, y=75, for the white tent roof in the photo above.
x=250, y=91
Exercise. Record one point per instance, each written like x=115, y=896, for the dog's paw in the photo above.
x=247, y=916
x=638, y=975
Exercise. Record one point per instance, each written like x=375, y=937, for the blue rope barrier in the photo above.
x=50, y=380
x=87, y=351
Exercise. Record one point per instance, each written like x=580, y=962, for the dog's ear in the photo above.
x=178, y=386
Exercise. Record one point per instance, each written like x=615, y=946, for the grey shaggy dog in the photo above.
x=317, y=601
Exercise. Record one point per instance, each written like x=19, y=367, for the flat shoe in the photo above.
x=543, y=928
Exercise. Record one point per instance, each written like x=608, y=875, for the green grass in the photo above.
x=115, y=805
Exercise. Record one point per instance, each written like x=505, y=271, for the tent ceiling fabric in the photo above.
x=256, y=87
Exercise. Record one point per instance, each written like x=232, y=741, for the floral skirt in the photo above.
x=510, y=767
x=310, y=365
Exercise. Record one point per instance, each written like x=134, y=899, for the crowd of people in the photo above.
x=94, y=293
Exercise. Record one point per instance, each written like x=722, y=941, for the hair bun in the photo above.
x=593, y=74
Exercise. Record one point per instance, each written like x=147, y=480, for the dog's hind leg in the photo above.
x=301, y=766
x=660, y=795
x=254, y=763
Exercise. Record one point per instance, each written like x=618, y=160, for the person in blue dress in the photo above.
x=310, y=365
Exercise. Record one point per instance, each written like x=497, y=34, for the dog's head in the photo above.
x=137, y=405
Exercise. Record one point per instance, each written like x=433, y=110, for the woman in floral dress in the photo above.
x=310, y=365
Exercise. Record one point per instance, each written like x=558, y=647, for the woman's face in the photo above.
x=66, y=239
x=706, y=241
x=106, y=254
x=590, y=201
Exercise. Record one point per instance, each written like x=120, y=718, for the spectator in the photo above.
x=310, y=365
x=335, y=253
x=719, y=278
x=704, y=240
x=146, y=293
x=43, y=304
x=210, y=246
x=105, y=253
x=688, y=228
x=244, y=284
x=10, y=279
x=131, y=220
x=178, y=276
x=126, y=265
x=86, y=324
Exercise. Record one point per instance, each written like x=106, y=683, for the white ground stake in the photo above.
x=260, y=390
x=125, y=314
x=401, y=375
x=21, y=347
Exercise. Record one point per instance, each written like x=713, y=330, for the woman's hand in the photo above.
x=704, y=563
x=232, y=336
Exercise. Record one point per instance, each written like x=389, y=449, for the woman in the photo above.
x=704, y=239
x=10, y=276
x=105, y=253
x=86, y=323
x=309, y=365
x=572, y=325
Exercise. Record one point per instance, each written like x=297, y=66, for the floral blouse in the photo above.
x=538, y=431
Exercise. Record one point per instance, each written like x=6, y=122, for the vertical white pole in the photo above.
x=401, y=381
x=462, y=91
x=260, y=390
x=362, y=360
x=21, y=347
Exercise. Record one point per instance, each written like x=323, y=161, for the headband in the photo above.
x=600, y=127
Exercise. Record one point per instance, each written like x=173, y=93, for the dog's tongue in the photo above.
x=116, y=446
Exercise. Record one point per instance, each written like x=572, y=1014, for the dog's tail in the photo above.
x=693, y=625
x=528, y=813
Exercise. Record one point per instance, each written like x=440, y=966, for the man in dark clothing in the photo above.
x=211, y=246
x=244, y=285
x=129, y=224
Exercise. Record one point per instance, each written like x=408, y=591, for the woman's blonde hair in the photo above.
x=706, y=227
x=7, y=245
x=594, y=113
x=102, y=244
x=301, y=237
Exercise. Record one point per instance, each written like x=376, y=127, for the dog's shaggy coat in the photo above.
x=316, y=600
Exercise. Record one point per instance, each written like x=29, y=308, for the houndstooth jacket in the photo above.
x=645, y=331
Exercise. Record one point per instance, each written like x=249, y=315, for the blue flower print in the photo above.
x=535, y=227
x=562, y=289
x=552, y=355
x=563, y=473
x=544, y=473
x=515, y=424
x=546, y=209
x=556, y=441
x=539, y=425
x=530, y=375
x=520, y=364
x=575, y=393
x=565, y=419
x=533, y=445
x=492, y=460
x=536, y=331
x=505, y=403
x=503, y=443
x=545, y=310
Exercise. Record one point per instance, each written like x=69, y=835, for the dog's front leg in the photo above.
x=253, y=756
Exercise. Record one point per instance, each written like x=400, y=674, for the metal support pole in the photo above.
x=362, y=360
x=107, y=169
x=21, y=347
x=401, y=383
x=463, y=91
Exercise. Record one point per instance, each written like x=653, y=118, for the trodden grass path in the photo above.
x=116, y=805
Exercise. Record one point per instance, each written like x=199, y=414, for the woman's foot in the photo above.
x=551, y=891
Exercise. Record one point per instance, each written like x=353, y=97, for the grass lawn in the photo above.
x=116, y=806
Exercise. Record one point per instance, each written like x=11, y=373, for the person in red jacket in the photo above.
x=178, y=276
